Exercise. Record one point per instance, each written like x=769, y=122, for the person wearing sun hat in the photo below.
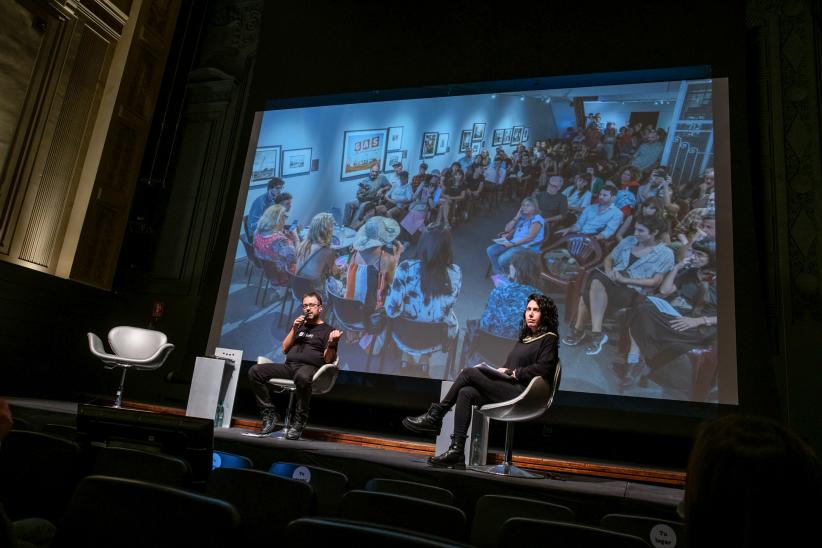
x=372, y=263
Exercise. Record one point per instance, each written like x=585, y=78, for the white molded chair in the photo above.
x=322, y=383
x=531, y=404
x=133, y=348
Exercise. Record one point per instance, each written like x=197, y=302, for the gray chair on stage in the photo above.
x=322, y=383
x=529, y=405
x=133, y=348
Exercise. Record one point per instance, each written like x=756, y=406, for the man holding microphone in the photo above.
x=308, y=345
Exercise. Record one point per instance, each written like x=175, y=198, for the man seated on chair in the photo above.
x=309, y=344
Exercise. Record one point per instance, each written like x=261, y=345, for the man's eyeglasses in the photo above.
x=312, y=305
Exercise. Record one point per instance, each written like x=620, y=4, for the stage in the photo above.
x=592, y=489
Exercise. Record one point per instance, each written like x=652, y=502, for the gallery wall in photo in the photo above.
x=266, y=163
x=478, y=131
x=476, y=148
x=395, y=138
x=296, y=162
x=442, y=143
x=525, y=135
x=362, y=149
x=506, y=136
x=516, y=135
x=429, y=144
x=465, y=140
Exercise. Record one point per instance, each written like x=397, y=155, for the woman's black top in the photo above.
x=531, y=359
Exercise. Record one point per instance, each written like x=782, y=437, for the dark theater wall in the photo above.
x=184, y=205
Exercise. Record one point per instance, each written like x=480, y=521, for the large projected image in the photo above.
x=426, y=223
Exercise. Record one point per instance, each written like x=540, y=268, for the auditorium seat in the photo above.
x=134, y=464
x=38, y=474
x=310, y=532
x=409, y=513
x=65, y=431
x=410, y=489
x=518, y=532
x=266, y=503
x=106, y=512
x=492, y=511
x=658, y=532
x=329, y=485
x=221, y=459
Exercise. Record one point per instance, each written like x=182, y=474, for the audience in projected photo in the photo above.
x=370, y=189
x=680, y=318
x=275, y=244
x=652, y=207
x=578, y=195
x=371, y=265
x=504, y=309
x=425, y=290
x=525, y=231
x=315, y=258
x=263, y=202
x=601, y=219
x=652, y=293
x=635, y=267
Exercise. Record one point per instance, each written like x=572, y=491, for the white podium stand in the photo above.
x=213, y=384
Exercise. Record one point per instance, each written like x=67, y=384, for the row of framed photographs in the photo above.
x=273, y=161
x=510, y=136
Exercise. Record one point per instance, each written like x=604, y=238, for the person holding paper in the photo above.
x=525, y=231
x=534, y=354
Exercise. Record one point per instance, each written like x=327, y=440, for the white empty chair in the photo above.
x=133, y=348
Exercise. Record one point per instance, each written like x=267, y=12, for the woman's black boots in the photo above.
x=428, y=423
x=454, y=457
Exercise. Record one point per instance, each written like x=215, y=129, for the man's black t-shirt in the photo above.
x=309, y=345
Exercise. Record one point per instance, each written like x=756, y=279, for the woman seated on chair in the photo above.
x=426, y=289
x=525, y=231
x=371, y=266
x=635, y=267
x=502, y=312
x=535, y=354
x=682, y=318
x=275, y=244
x=315, y=258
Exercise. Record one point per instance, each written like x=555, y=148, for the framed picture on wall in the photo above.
x=266, y=163
x=391, y=157
x=296, y=161
x=479, y=131
x=429, y=144
x=516, y=135
x=395, y=138
x=506, y=137
x=525, y=135
x=465, y=140
x=498, y=136
x=442, y=143
x=362, y=149
x=476, y=147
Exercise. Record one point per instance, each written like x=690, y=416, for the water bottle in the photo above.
x=476, y=457
x=218, y=418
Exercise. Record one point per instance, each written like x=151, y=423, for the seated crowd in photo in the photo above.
x=656, y=279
